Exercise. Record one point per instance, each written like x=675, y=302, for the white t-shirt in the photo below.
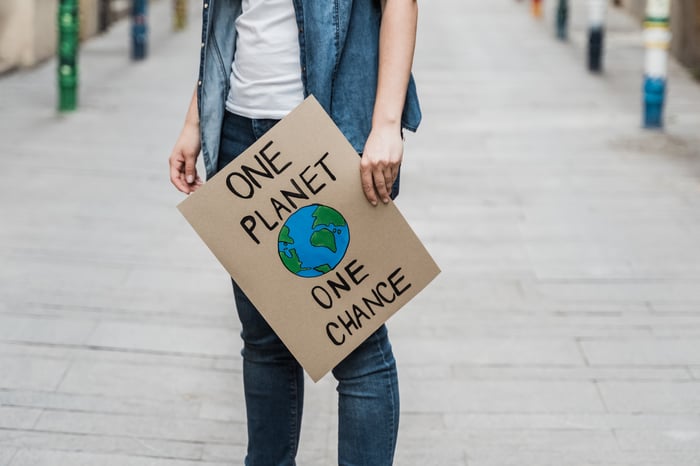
x=266, y=71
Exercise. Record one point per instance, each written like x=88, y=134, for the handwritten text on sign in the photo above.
x=290, y=223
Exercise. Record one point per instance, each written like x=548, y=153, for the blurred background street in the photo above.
x=563, y=331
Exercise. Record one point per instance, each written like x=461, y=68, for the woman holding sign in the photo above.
x=259, y=60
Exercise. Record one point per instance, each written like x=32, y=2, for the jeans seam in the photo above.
x=390, y=389
x=293, y=418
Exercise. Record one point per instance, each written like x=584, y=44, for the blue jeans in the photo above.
x=368, y=404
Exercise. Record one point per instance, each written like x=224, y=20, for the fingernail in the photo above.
x=386, y=200
x=190, y=179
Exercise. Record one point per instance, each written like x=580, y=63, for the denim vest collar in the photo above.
x=339, y=44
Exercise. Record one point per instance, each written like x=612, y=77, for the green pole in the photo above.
x=68, y=40
x=180, y=16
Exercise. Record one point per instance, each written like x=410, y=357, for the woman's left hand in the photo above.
x=380, y=162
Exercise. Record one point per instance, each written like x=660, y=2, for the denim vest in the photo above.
x=339, y=42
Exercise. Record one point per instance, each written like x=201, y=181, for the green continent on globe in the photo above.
x=324, y=237
x=284, y=236
x=326, y=216
x=293, y=263
x=325, y=268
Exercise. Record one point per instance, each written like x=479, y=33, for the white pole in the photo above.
x=657, y=38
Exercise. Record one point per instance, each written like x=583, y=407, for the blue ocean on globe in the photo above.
x=313, y=240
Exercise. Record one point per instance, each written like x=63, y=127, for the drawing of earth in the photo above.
x=313, y=240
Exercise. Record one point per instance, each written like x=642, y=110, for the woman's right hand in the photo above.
x=183, y=160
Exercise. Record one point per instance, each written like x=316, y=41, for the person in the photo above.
x=259, y=59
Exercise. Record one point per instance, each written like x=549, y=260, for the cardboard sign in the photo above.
x=289, y=221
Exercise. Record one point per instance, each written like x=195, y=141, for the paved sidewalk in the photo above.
x=564, y=330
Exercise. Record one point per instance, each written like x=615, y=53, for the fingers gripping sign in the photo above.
x=380, y=163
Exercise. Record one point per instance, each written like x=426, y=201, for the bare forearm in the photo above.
x=183, y=159
x=397, y=41
x=383, y=150
x=192, y=117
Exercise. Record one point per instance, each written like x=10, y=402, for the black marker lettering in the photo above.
x=311, y=180
x=269, y=227
x=394, y=282
x=231, y=187
x=384, y=298
x=348, y=324
x=250, y=172
x=248, y=223
x=298, y=194
x=335, y=341
x=326, y=303
x=270, y=159
x=352, y=273
x=341, y=285
x=325, y=167
x=359, y=313
x=279, y=207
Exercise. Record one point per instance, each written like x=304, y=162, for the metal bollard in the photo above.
x=596, y=34
x=68, y=40
x=537, y=8
x=562, y=19
x=139, y=29
x=103, y=15
x=657, y=38
x=180, y=15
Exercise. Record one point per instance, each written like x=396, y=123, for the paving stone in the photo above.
x=518, y=444
x=503, y=422
x=18, y=417
x=666, y=440
x=160, y=428
x=221, y=412
x=30, y=373
x=462, y=371
x=168, y=339
x=120, y=403
x=6, y=454
x=652, y=397
x=228, y=454
x=640, y=291
x=45, y=330
x=117, y=356
x=642, y=352
x=425, y=455
x=695, y=371
x=124, y=445
x=218, y=305
x=495, y=456
x=474, y=396
x=526, y=327
x=485, y=351
x=51, y=458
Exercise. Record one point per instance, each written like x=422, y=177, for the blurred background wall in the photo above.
x=28, y=28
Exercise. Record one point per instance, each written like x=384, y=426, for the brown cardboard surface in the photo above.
x=240, y=213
